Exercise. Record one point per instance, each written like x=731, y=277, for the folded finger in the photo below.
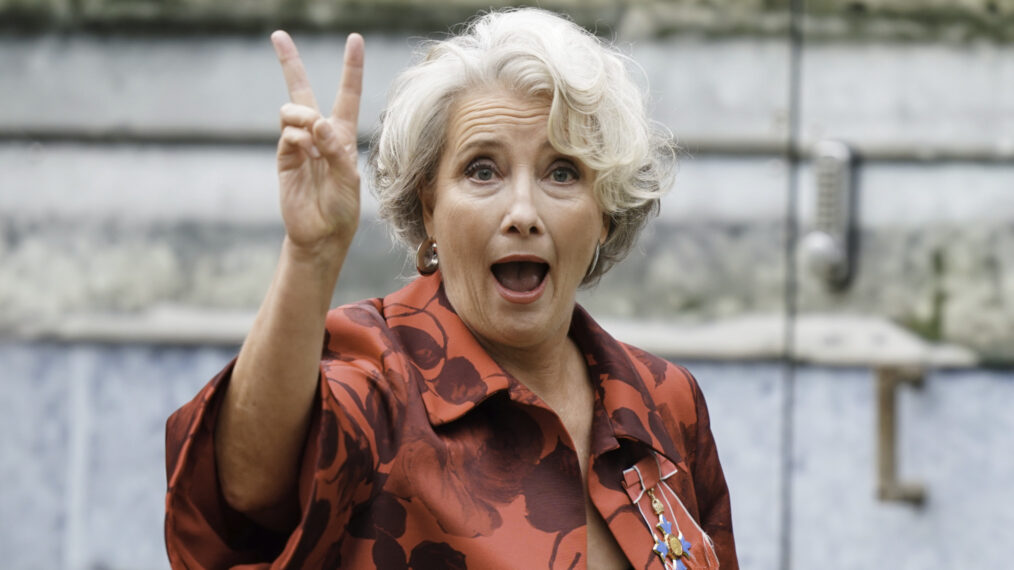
x=298, y=115
x=346, y=104
x=295, y=139
x=336, y=143
x=293, y=70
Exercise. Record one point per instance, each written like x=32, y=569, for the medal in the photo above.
x=670, y=548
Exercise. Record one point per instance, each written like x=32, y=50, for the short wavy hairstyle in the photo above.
x=598, y=114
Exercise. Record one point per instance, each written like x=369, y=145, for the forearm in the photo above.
x=268, y=404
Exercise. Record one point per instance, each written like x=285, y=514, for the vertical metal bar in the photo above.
x=889, y=488
x=79, y=425
x=794, y=94
x=886, y=430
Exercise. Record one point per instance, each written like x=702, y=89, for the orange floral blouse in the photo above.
x=423, y=453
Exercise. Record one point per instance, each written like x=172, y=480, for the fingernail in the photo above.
x=314, y=152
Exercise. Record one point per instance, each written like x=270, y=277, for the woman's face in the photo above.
x=515, y=221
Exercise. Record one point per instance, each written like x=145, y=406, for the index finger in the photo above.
x=346, y=103
x=292, y=67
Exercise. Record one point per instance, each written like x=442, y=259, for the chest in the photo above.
x=501, y=485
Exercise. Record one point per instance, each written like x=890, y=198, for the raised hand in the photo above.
x=268, y=405
x=317, y=170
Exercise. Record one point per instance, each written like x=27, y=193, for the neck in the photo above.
x=556, y=373
x=549, y=369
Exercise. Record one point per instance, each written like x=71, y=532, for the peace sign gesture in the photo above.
x=317, y=170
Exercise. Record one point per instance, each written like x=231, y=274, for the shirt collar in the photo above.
x=456, y=373
x=626, y=380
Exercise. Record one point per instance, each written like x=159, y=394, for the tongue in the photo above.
x=519, y=275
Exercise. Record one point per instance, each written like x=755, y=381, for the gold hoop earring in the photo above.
x=426, y=260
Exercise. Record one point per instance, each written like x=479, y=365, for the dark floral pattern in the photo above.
x=424, y=454
x=436, y=556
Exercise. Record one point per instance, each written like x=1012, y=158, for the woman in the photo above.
x=478, y=417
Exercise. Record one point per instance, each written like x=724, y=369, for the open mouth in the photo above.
x=520, y=276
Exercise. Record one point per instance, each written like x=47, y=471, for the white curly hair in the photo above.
x=598, y=114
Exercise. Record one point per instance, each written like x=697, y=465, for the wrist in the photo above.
x=324, y=258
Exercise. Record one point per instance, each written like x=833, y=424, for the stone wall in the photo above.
x=138, y=174
x=910, y=19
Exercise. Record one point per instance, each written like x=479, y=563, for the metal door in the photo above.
x=899, y=441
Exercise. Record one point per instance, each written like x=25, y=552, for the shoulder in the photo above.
x=676, y=399
x=357, y=332
x=667, y=382
x=362, y=358
x=354, y=320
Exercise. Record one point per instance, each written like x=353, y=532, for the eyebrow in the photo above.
x=480, y=143
x=483, y=142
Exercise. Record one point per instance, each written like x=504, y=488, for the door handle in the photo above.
x=827, y=249
x=889, y=488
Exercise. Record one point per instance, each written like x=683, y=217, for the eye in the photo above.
x=481, y=170
x=564, y=173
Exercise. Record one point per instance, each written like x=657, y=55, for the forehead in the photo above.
x=489, y=112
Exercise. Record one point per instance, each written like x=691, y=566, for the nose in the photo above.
x=522, y=216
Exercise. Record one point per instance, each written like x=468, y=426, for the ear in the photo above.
x=426, y=199
x=607, y=227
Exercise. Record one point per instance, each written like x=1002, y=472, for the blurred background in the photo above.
x=835, y=262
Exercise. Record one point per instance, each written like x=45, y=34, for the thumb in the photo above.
x=336, y=145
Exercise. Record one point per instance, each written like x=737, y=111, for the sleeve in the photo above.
x=201, y=530
x=710, y=487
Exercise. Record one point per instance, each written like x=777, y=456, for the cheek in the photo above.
x=462, y=234
x=587, y=222
x=594, y=227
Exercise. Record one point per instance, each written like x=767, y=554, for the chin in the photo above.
x=525, y=328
